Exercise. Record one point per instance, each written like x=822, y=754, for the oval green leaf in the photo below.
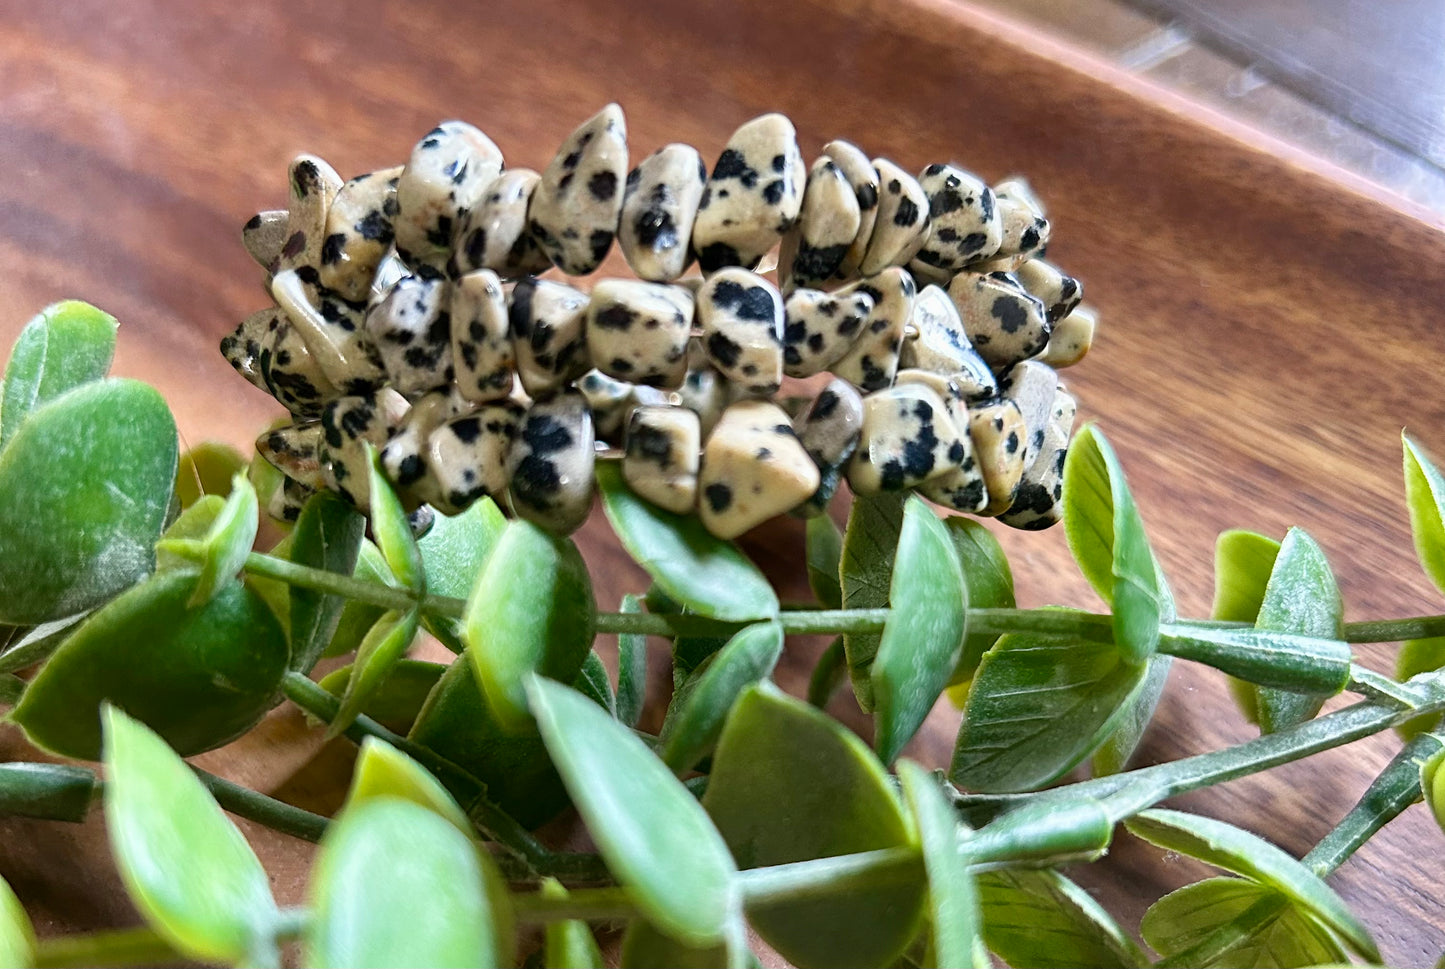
x=990, y=584
x=228, y=541
x=706, y=574
x=1432, y=784
x=631, y=668
x=1302, y=598
x=954, y=916
x=384, y=771
x=653, y=834
x=690, y=733
x=1126, y=728
x=923, y=640
x=452, y=554
x=187, y=868
x=85, y=499
x=181, y=544
x=1235, y=922
x=390, y=528
x=378, y=654
x=400, y=698
x=869, y=543
x=780, y=761
x=17, y=935
x=357, y=617
x=327, y=536
x=531, y=612
x=396, y=884
x=198, y=677
x=1234, y=849
x=1243, y=561
x=1425, y=498
x=67, y=345
x=824, y=545
x=1040, y=918
x=569, y=943
x=1415, y=657
x=52, y=792
x=208, y=469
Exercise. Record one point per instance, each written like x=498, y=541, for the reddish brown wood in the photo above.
x=1268, y=325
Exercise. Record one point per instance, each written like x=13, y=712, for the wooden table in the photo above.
x=1268, y=325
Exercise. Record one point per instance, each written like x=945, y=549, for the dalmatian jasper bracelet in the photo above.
x=410, y=311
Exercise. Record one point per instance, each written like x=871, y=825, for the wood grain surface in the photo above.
x=1268, y=326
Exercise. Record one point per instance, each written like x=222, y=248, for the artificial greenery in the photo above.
x=147, y=628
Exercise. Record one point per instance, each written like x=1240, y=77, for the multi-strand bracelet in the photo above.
x=409, y=314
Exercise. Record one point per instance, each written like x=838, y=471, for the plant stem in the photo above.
x=585, y=904
x=801, y=879
x=140, y=946
x=258, y=807
x=376, y=593
x=1395, y=630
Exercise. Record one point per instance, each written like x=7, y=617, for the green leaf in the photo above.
x=187, y=868
x=383, y=647
x=1301, y=598
x=392, y=531
x=592, y=682
x=357, y=617
x=1107, y=538
x=327, y=536
x=400, y=698
x=644, y=947
x=990, y=584
x=923, y=639
x=1037, y=708
x=1233, y=849
x=654, y=836
x=180, y=545
x=825, y=551
x=85, y=499
x=395, y=884
x=869, y=542
x=952, y=896
x=1242, y=564
x=208, y=469
x=789, y=783
x=1126, y=728
x=1241, y=924
x=748, y=657
x=531, y=612
x=1041, y=919
x=1425, y=497
x=52, y=792
x=631, y=668
x=67, y=345
x=688, y=652
x=569, y=943
x=228, y=541
x=17, y=936
x=458, y=724
x=453, y=553
x=1415, y=657
x=384, y=771
x=199, y=677
x=827, y=674
x=1432, y=784
x=704, y=573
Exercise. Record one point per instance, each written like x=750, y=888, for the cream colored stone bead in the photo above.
x=447, y=173
x=873, y=359
x=637, y=331
x=908, y=438
x=752, y=197
x=467, y=456
x=576, y=205
x=997, y=431
x=662, y=456
x=1071, y=338
x=753, y=468
x=358, y=233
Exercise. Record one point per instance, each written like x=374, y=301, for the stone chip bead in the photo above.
x=753, y=196
x=286, y=502
x=661, y=456
x=1071, y=338
x=1025, y=231
x=829, y=429
x=264, y=236
x=347, y=425
x=965, y=224
x=820, y=328
x=703, y=390
x=1003, y=322
x=468, y=457
x=335, y=338
x=313, y=187
x=447, y=172
x=873, y=359
x=576, y=205
x=753, y=468
x=858, y=169
x=961, y=487
x=295, y=451
x=1039, y=500
x=242, y=347
x=493, y=233
x=901, y=227
x=551, y=464
x=549, y=334
x=483, y=359
x=1047, y=283
x=1034, y=387
x=937, y=340
x=741, y=316
x=404, y=459
x=638, y=331
x=358, y=233
x=292, y=375
x=908, y=438
x=813, y=249
x=658, y=211
x=997, y=432
x=412, y=330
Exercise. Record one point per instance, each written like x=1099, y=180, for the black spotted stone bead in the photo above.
x=1039, y=500
x=703, y=390
x=292, y=375
x=1046, y=283
x=873, y=359
x=813, y=249
x=961, y=487
x=937, y=340
x=448, y=171
x=828, y=429
x=820, y=328
x=753, y=468
x=658, y=211
x=741, y=316
x=660, y=459
x=901, y=227
x=358, y=233
x=412, y=330
x=857, y=168
x=1066, y=409
x=493, y=234
x=333, y=332
x=548, y=323
x=404, y=458
x=612, y=402
x=286, y=502
x=551, y=464
x=313, y=187
x=752, y=197
x=1025, y=230
x=483, y=359
x=997, y=431
x=242, y=347
x=908, y=438
x=576, y=205
x=467, y=456
x=1033, y=386
x=264, y=236
x=638, y=331
x=1003, y=322
x=347, y=425
x=965, y=223
x=295, y=451
x=1071, y=338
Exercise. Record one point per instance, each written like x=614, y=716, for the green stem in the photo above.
x=375, y=593
x=140, y=946
x=800, y=880
x=1395, y=630
x=584, y=904
x=828, y=674
x=258, y=807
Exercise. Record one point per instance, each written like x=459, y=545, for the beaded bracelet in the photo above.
x=409, y=314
